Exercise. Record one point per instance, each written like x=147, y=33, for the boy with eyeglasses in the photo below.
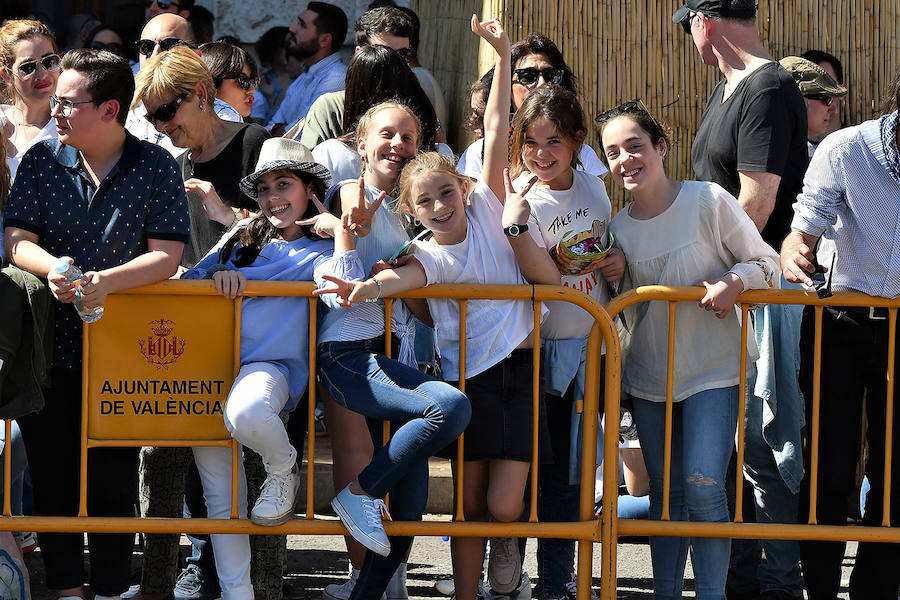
x=115, y=205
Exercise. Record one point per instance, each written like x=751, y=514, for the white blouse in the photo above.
x=703, y=235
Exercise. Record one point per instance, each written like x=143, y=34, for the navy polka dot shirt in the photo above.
x=100, y=227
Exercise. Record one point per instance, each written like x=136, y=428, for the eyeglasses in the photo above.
x=166, y=112
x=826, y=100
x=146, y=47
x=529, y=76
x=65, y=106
x=245, y=82
x=162, y=4
x=48, y=63
x=114, y=47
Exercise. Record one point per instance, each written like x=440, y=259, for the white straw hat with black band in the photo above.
x=281, y=153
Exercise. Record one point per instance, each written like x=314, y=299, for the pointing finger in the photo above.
x=318, y=203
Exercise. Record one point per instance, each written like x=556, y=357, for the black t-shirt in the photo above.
x=236, y=160
x=761, y=127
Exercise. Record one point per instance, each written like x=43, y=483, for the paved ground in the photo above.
x=315, y=561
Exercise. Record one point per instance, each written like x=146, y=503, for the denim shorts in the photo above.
x=501, y=423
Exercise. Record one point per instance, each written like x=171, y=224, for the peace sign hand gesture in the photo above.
x=357, y=220
x=324, y=224
x=516, y=209
x=347, y=292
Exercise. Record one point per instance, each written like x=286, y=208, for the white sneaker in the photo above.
x=504, y=565
x=342, y=591
x=522, y=591
x=361, y=515
x=275, y=504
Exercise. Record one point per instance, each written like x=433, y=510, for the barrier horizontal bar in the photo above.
x=681, y=294
x=157, y=443
x=582, y=530
x=775, y=531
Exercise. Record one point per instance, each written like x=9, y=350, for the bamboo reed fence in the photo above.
x=624, y=49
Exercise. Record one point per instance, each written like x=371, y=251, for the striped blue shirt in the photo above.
x=851, y=198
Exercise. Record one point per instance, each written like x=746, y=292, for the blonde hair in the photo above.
x=11, y=34
x=173, y=73
x=426, y=163
x=362, y=128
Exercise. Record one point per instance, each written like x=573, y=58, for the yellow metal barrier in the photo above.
x=614, y=527
x=153, y=340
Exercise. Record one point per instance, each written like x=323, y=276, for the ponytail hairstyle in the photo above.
x=560, y=106
x=257, y=233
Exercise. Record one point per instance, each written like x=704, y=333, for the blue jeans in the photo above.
x=703, y=427
x=430, y=414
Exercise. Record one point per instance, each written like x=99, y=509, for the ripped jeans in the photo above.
x=703, y=428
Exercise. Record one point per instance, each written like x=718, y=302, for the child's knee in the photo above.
x=244, y=420
x=705, y=495
x=504, y=508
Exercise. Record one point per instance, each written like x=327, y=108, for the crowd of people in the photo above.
x=198, y=162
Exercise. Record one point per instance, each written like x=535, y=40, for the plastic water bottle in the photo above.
x=74, y=275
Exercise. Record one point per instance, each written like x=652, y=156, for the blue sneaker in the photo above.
x=361, y=516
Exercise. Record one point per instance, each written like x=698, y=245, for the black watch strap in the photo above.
x=515, y=230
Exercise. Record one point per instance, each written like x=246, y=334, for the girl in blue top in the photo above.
x=276, y=246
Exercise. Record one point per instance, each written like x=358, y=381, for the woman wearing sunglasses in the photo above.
x=103, y=37
x=234, y=73
x=29, y=68
x=177, y=90
x=535, y=61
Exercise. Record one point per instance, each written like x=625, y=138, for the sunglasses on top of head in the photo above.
x=162, y=4
x=530, y=75
x=166, y=112
x=146, y=47
x=48, y=63
x=245, y=82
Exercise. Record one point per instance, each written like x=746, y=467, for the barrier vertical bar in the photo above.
x=235, y=449
x=742, y=391
x=460, y=454
x=667, y=452
x=814, y=435
x=535, y=405
x=85, y=364
x=608, y=517
x=311, y=412
x=386, y=425
x=889, y=416
x=7, y=468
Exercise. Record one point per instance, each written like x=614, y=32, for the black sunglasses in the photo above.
x=49, y=63
x=826, y=100
x=146, y=47
x=162, y=4
x=166, y=112
x=245, y=82
x=114, y=47
x=529, y=76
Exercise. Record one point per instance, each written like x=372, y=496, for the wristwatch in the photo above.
x=515, y=230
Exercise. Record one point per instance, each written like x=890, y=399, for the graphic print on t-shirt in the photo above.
x=576, y=253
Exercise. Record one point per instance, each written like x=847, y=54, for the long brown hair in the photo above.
x=558, y=105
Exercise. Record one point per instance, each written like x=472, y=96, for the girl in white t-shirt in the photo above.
x=679, y=233
x=570, y=211
x=470, y=245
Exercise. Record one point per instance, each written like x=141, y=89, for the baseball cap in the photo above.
x=713, y=8
x=811, y=78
